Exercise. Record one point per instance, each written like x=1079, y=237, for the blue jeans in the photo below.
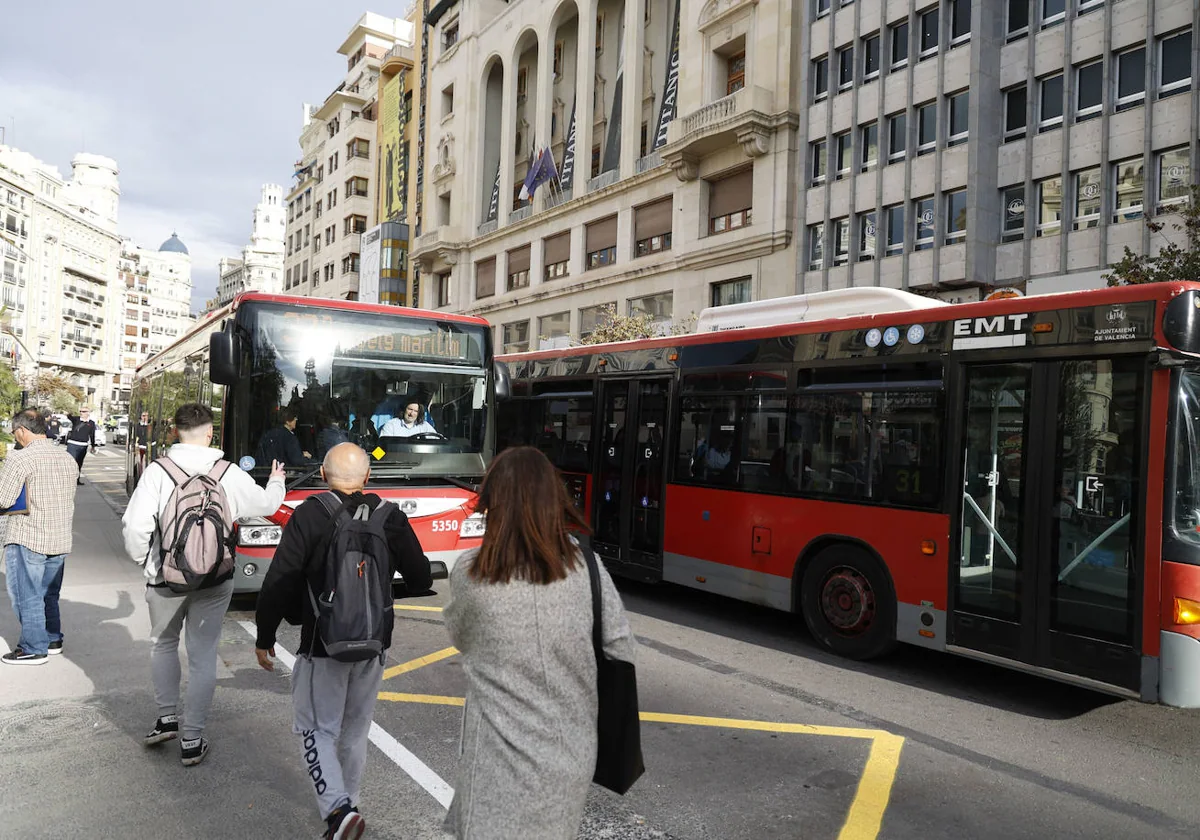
x=34, y=581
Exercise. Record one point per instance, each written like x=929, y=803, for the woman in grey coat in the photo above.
x=520, y=612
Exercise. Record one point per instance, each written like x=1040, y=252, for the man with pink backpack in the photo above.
x=179, y=526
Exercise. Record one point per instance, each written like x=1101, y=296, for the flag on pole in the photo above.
x=541, y=171
x=531, y=172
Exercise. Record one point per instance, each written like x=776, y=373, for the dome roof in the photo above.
x=173, y=245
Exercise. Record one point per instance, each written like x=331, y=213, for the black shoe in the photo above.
x=192, y=752
x=20, y=657
x=165, y=728
x=55, y=648
x=345, y=824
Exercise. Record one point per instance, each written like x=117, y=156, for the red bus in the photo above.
x=345, y=369
x=1016, y=481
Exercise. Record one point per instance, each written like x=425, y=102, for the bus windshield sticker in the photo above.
x=873, y=338
x=246, y=463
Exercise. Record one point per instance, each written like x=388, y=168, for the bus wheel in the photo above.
x=848, y=603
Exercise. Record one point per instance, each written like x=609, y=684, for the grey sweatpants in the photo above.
x=333, y=703
x=202, y=612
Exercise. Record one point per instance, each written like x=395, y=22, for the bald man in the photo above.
x=333, y=702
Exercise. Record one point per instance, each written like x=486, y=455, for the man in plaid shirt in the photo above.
x=38, y=542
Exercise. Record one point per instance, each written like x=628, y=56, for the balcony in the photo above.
x=399, y=57
x=650, y=161
x=488, y=227
x=745, y=117
x=441, y=242
x=604, y=179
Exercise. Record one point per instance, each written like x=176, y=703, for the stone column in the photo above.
x=585, y=93
x=631, y=106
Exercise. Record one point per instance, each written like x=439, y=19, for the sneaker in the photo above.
x=192, y=751
x=345, y=824
x=55, y=648
x=20, y=657
x=165, y=728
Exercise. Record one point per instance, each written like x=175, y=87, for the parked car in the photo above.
x=120, y=430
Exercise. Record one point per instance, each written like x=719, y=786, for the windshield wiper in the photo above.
x=473, y=488
x=303, y=477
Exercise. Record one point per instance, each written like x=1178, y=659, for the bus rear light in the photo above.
x=1043, y=327
x=1187, y=611
x=928, y=547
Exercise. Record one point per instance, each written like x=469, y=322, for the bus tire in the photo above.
x=848, y=602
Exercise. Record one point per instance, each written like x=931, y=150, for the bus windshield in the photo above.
x=1187, y=459
x=410, y=391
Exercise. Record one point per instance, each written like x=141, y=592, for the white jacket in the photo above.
x=140, y=522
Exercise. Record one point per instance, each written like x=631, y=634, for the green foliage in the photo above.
x=640, y=324
x=10, y=391
x=1173, y=262
x=56, y=392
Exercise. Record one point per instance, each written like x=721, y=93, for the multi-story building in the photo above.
x=155, y=298
x=260, y=267
x=949, y=146
x=60, y=250
x=332, y=203
x=967, y=144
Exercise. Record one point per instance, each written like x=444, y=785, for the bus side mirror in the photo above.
x=224, y=351
x=503, y=381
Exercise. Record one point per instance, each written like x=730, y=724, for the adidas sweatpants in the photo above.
x=333, y=703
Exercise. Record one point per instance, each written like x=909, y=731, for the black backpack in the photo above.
x=354, y=610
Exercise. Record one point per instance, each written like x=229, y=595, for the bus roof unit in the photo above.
x=840, y=303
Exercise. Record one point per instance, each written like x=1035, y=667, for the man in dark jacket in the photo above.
x=82, y=434
x=280, y=444
x=333, y=701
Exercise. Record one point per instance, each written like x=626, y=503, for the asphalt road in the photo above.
x=749, y=732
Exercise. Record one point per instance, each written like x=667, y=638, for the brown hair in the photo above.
x=529, y=520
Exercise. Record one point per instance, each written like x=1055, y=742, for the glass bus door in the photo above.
x=630, y=479
x=1049, y=566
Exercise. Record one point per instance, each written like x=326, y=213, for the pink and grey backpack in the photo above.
x=195, y=531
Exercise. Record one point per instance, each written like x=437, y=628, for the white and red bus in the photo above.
x=344, y=369
x=1016, y=481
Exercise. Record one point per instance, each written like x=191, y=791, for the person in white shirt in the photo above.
x=408, y=425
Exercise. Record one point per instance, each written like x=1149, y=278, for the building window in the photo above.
x=929, y=33
x=1050, y=114
x=358, y=148
x=1014, y=213
x=354, y=224
x=735, y=76
x=960, y=21
x=841, y=241
x=522, y=82
x=926, y=128
x=518, y=268
x=1018, y=19
x=820, y=161
x=1174, y=177
x=356, y=186
x=559, y=49
x=1086, y=6
x=816, y=246
x=591, y=318
x=870, y=57
x=869, y=140
x=820, y=78
x=1050, y=202
x=1089, y=93
x=1129, y=189
x=599, y=34
x=1053, y=12
x=1131, y=78
x=601, y=243
x=485, y=278
x=895, y=228
x=957, y=128
x=843, y=146
x=350, y=264
x=822, y=7
x=652, y=227
x=730, y=292
x=897, y=136
x=556, y=255
x=595, y=161
x=450, y=35
x=730, y=202
x=1175, y=63
x=1088, y=188
x=898, y=40
x=442, y=284
x=553, y=326
x=845, y=68
x=447, y=101
x=1015, y=104
x=956, y=216
x=925, y=218
x=866, y=236
x=516, y=337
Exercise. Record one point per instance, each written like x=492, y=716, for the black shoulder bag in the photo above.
x=619, y=755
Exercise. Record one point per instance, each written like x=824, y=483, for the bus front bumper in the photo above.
x=251, y=564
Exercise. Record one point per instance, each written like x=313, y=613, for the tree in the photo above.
x=10, y=391
x=57, y=392
x=640, y=324
x=1175, y=261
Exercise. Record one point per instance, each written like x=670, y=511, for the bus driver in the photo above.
x=408, y=425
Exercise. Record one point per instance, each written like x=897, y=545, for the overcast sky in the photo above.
x=198, y=102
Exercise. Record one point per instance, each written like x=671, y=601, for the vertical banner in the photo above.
x=368, y=274
x=612, y=144
x=666, y=111
x=494, y=204
x=568, y=164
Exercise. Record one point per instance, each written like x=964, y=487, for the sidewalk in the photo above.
x=72, y=763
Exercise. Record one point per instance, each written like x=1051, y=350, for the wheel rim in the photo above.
x=848, y=601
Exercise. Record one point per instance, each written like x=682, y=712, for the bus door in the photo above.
x=1049, y=560
x=630, y=476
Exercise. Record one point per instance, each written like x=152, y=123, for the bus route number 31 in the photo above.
x=443, y=525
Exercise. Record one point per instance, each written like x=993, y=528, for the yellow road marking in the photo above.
x=865, y=817
x=421, y=662
x=416, y=608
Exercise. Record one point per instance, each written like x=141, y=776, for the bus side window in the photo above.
x=709, y=439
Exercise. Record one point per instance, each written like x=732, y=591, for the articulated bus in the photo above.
x=1016, y=481
x=345, y=369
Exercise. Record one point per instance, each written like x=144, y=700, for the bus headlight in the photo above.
x=473, y=527
x=259, y=535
